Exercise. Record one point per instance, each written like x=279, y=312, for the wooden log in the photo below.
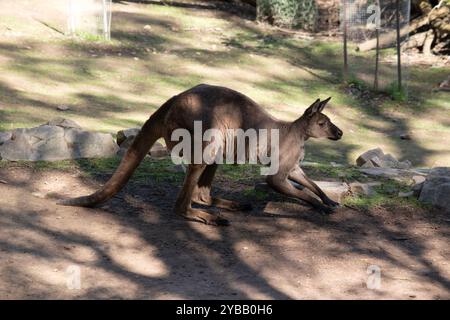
x=388, y=39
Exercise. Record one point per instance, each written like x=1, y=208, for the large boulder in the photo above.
x=58, y=139
x=87, y=144
x=436, y=188
x=376, y=158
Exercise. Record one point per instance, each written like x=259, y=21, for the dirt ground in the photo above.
x=135, y=247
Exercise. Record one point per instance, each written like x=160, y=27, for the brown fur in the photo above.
x=222, y=108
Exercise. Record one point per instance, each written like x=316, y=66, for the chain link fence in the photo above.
x=89, y=18
x=374, y=31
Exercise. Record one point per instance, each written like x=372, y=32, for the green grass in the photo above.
x=386, y=195
x=112, y=85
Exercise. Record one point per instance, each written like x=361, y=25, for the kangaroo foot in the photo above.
x=224, y=204
x=204, y=217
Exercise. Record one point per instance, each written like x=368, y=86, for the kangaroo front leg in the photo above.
x=283, y=186
x=300, y=177
x=183, y=205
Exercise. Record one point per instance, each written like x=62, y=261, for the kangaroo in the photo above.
x=223, y=108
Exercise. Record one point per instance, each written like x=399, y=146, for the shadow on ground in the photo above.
x=135, y=247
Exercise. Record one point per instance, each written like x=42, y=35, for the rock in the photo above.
x=439, y=171
x=123, y=135
x=418, y=179
x=404, y=164
x=381, y=172
x=368, y=164
x=334, y=190
x=18, y=147
x=62, y=108
x=366, y=156
x=57, y=140
x=87, y=144
x=406, y=194
x=376, y=158
x=158, y=150
x=376, y=162
x=436, y=188
x=367, y=189
x=5, y=136
x=64, y=123
x=388, y=161
x=417, y=188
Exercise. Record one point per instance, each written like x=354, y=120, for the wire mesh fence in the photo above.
x=374, y=31
x=89, y=18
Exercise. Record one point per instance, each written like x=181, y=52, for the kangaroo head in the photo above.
x=318, y=125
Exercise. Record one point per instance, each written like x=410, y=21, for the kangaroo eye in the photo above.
x=321, y=124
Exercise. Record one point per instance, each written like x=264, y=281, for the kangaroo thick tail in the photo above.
x=139, y=148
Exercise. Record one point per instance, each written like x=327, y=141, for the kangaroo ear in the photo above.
x=323, y=104
x=313, y=108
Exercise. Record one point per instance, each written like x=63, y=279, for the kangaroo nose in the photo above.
x=340, y=133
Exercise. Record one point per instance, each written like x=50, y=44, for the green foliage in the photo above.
x=396, y=93
x=289, y=13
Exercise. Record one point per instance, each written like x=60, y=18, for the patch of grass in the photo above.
x=396, y=93
x=349, y=174
x=240, y=172
x=386, y=196
x=255, y=194
x=86, y=36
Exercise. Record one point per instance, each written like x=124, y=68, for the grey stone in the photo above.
x=86, y=144
x=334, y=190
x=439, y=171
x=62, y=108
x=5, y=136
x=417, y=188
x=418, y=179
x=366, y=156
x=377, y=162
x=368, y=164
x=436, y=188
x=63, y=123
x=404, y=164
x=18, y=147
x=56, y=140
x=367, y=189
x=436, y=192
x=381, y=172
x=123, y=135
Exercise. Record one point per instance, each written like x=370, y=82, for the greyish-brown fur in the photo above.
x=222, y=108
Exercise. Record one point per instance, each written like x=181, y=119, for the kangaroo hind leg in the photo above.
x=183, y=205
x=202, y=193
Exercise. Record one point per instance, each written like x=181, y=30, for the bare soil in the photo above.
x=135, y=247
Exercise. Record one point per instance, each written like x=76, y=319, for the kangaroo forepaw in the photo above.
x=331, y=203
